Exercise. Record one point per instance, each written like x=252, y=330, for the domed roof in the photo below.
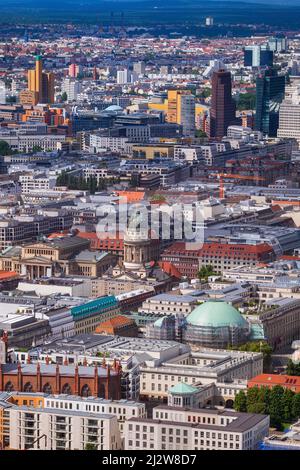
x=114, y=108
x=216, y=314
x=159, y=323
x=183, y=389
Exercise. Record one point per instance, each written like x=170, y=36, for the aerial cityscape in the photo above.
x=150, y=227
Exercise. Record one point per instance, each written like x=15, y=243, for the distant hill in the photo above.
x=284, y=13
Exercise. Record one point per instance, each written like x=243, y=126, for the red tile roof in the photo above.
x=170, y=269
x=7, y=275
x=270, y=380
x=115, y=322
x=212, y=248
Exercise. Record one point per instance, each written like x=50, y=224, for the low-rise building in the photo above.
x=173, y=428
x=205, y=367
x=87, y=316
x=60, y=429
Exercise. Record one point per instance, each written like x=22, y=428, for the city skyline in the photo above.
x=149, y=230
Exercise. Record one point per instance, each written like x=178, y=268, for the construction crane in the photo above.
x=223, y=176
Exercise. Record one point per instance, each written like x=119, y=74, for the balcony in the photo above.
x=92, y=439
x=29, y=424
x=92, y=432
x=60, y=419
x=60, y=427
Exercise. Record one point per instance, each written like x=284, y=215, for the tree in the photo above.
x=36, y=148
x=264, y=397
x=246, y=101
x=5, y=148
x=287, y=404
x=252, y=396
x=276, y=406
x=296, y=406
x=205, y=272
x=206, y=92
x=259, y=408
x=240, y=402
x=64, y=96
x=200, y=134
x=292, y=369
x=90, y=446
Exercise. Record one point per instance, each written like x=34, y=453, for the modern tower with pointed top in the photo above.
x=222, y=111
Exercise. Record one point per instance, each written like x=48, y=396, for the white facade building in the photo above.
x=33, y=182
x=63, y=429
x=123, y=77
x=99, y=143
x=72, y=88
x=174, y=428
x=289, y=113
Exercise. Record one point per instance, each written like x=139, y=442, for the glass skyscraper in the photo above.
x=269, y=94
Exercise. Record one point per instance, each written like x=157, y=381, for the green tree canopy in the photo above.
x=293, y=369
x=240, y=402
x=5, y=148
x=246, y=101
x=282, y=404
x=90, y=446
x=205, y=272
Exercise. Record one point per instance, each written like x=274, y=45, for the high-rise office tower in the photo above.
x=40, y=84
x=222, y=111
x=209, y=21
x=269, y=94
x=74, y=70
x=139, y=68
x=123, y=77
x=257, y=56
x=181, y=110
x=278, y=44
x=2, y=92
x=35, y=77
x=289, y=112
x=95, y=73
x=72, y=88
x=48, y=88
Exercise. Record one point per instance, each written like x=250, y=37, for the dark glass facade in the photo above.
x=222, y=111
x=270, y=89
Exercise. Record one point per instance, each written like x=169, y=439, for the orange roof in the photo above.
x=130, y=196
x=114, y=322
x=286, y=203
x=270, y=380
x=58, y=234
x=211, y=247
x=5, y=275
x=170, y=269
x=95, y=236
x=289, y=258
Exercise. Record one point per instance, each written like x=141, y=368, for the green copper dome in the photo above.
x=159, y=323
x=216, y=314
x=183, y=389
